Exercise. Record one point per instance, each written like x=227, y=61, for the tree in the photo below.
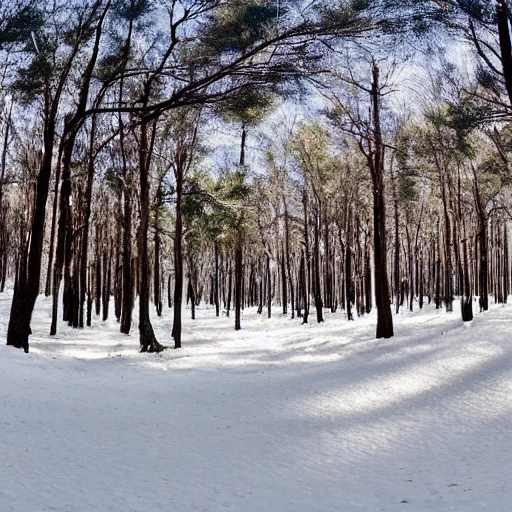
x=72, y=125
x=45, y=80
x=367, y=130
x=320, y=169
x=247, y=108
x=182, y=130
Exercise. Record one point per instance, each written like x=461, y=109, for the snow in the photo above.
x=277, y=417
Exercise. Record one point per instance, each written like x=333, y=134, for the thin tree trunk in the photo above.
x=107, y=282
x=148, y=341
x=89, y=297
x=284, y=294
x=238, y=281
x=192, y=297
x=349, y=285
x=216, y=282
x=367, y=278
x=97, y=279
x=288, y=263
x=85, y=229
x=157, y=291
x=304, y=288
x=307, y=268
x=178, y=252
x=62, y=230
x=269, y=288
x=482, y=234
x=421, y=283
x=318, y=289
x=466, y=299
x=230, y=287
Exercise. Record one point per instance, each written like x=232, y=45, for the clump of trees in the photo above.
x=108, y=187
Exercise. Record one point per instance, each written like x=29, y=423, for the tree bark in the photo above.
x=306, y=285
x=85, y=229
x=482, y=234
x=238, y=281
x=269, y=287
x=288, y=262
x=26, y=288
x=376, y=161
x=216, y=282
x=284, y=290
x=503, y=22
x=157, y=291
x=349, y=285
x=318, y=288
x=466, y=298
x=367, y=278
x=148, y=341
x=178, y=253
x=107, y=282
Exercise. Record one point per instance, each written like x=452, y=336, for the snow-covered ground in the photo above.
x=278, y=417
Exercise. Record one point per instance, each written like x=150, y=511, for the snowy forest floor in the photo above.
x=279, y=417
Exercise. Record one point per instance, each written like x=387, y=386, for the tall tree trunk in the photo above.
x=26, y=288
x=127, y=271
x=438, y=278
x=466, y=298
x=118, y=269
x=304, y=287
x=506, y=270
x=503, y=23
x=192, y=297
x=239, y=249
x=318, y=289
x=178, y=252
x=3, y=163
x=482, y=234
x=148, y=341
x=288, y=262
x=63, y=229
x=448, y=287
x=349, y=284
x=97, y=273
x=367, y=278
x=410, y=268
x=230, y=287
x=85, y=230
x=328, y=303
x=89, y=297
x=376, y=161
x=107, y=281
x=216, y=282
x=157, y=290
x=238, y=281
x=421, y=290
x=69, y=292
x=284, y=291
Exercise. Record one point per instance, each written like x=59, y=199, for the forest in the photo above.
x=295, y=157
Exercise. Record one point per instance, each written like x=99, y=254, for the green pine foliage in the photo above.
x=239, y=25
x=20, y=27
x=248, y=106
x=34, y=79
x=130, y=10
